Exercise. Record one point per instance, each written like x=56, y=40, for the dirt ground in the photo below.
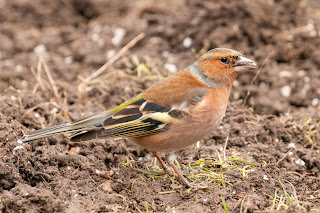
x=48, y=49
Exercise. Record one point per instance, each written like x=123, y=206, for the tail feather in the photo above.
x=50, y=131
x=85, y=124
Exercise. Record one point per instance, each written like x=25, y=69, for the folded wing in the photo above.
x=140, y=118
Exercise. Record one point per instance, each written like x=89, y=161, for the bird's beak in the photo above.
x=244, y=64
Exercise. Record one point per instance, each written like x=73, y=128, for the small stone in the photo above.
x=18, y=147
x=19, y=68
x=236, y=83
x=24, y=83
x=119, y=34
x=285, y=74
x=41, y=48
x=68, y=60
x=315, y=102
x=110, y=53
x=235, y=27
x=95, y=37
x=300, y=162
x=286, y=91
x=187, y=42
x=236, y=95
x=171, y=67
x=291, y=145
x=165, y=54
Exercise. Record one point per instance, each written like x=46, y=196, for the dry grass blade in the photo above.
x=51, y=80
x=281, y=159
x=39, y=82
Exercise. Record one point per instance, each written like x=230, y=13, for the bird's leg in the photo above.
x=170, y=158
x=163, y=165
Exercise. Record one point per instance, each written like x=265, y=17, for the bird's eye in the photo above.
x=223, y=59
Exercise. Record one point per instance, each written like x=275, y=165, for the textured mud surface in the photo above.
x=48, y=48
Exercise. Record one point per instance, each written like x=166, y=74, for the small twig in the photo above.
x=94, y=75
x=284, y=156
x=37, y=76
x=255, y=77
x=242, y=203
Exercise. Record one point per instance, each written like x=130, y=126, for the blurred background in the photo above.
x=78, y=37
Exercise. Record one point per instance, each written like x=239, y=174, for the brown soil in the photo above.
x=276, y=124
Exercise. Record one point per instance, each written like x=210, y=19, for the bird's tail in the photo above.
x=86, y=124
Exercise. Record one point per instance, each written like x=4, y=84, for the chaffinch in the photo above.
x=170, y=115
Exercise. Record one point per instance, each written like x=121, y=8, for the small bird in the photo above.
x=170, y=115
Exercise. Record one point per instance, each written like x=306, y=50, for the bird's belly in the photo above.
x=206, y=116
x=178, y=136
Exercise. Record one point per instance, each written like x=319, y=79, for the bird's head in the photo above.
x=223, y=65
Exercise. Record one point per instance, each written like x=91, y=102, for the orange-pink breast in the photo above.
x=205, y=117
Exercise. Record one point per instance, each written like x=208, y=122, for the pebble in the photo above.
x=119, y=34
x=315, y=102
x=165, y=54
x=24, y=83
x=187, y=42
x=286, y=91
x=236, y=95
x=110, y=53
x=41, y=48
x=291, y=145
x=18, y=147
x=171, y=67
x=68, y=60
x=235, y=27
x=236, y=83
x=95, y=37
x=285, y=74
x=300, y=162
x=19, y=68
